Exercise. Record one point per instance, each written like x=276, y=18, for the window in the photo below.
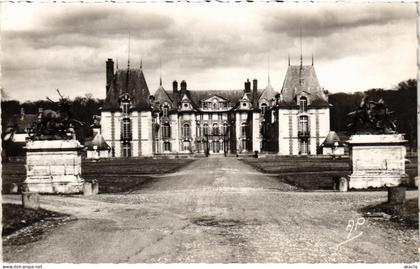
x=186, y=132
x=220, y=117
x=205, y=129
x=165, y=110
x=186, y=146
x=166, y=131
x=215, y=129
x=167, y=146
x=126, y=149
x=303, y=124
x=263, y=108
x=303, y=104
x=243, y=145
x=125, y=107
x=303, y=147
x=198, y=130
x=185, y=105
x=126, y=129
x=224, y=129
x=243, y=129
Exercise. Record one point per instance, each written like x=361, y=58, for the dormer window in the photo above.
x=185, y=105
x=263, y=108
x=303, y=104
x=165, y=110
x=125, y=107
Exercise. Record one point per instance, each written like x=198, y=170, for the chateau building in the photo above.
x=183, y=121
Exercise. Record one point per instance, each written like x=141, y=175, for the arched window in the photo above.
x=165, y=111
x=205, y=129
x=126, y=129
x=263, y=108
x=166, y=130
x=167, y=146
x=303, y=104
x=215, y=129
x=303, y=124
x=186, y=132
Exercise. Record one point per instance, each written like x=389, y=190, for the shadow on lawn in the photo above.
x=406, y=214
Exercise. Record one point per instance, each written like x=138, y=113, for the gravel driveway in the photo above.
x=218, y=210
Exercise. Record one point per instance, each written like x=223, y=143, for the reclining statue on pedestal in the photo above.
x=55, y=125
x=372, y=118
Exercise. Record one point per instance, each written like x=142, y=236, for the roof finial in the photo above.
x=288, y=58
x=301, y=60
x=268, y=69
x=128, y=58
x=117, y=62
x=141, y=62
x=160, y=67
x=312, y=59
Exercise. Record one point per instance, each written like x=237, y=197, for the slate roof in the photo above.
x=269, y=93
x=129, y=81
x=233, y=96
x=292, y=85
x=330, y=140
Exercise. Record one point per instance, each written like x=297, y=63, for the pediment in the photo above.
x=214, y=98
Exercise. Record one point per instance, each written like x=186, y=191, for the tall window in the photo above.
x=166, y=130
x=303, y=104
x=303, y=124
x=215, y=129
x=303, y=147
x=186, y=131
x=243, y=129
x=167, y=146
x=126, y=128
x=126, y=149
x=205, y=129
x=224, y=129
x=198, y=130
x=165, y=110
x=263, y=108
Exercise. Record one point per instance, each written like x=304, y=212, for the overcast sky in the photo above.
x=211, y=46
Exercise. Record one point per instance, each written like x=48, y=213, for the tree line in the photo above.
x=402, y=100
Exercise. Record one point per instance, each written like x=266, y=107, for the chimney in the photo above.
x=109, y=72
x=183, y=87
x=175, y=86
x=255, y=93
x=247, y=86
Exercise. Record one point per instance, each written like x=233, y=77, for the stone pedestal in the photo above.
x=377, y=161
x=54, y=166
x=30, y=200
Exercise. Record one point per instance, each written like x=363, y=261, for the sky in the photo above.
x=356, y=47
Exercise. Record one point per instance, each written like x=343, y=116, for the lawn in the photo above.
x=312, y=173
x=113, y=175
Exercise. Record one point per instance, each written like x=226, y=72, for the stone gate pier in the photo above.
x=377, y=160
x=54, y=166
